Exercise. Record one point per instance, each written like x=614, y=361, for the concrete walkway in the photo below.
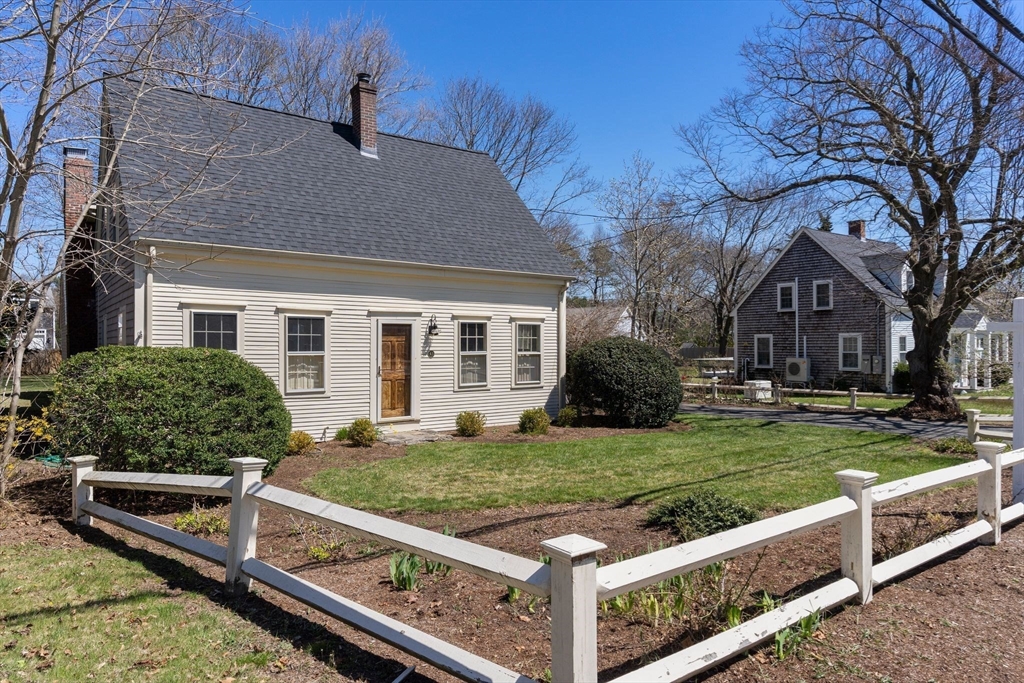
x=922, y=429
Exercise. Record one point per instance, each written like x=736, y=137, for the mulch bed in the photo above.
x=952, y=621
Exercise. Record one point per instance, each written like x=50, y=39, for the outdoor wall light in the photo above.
x=432, y=326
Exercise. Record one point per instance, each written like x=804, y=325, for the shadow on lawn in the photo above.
x=328, y=647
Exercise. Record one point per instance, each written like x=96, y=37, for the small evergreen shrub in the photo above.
x=176, y=410
x=300, y=443
x=341, y=434
x=701, y=513
x=901, y=378
x=632, y=382
x=362, y=432
x=567, y=416
x=534, y=421
x=470, y=423
x=958, y=445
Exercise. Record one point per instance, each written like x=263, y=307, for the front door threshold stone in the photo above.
x=413, y=436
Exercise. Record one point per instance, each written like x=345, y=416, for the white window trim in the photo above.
x=486, y=320
x=120, y=320
x=814, y=289
x=860, y=348
x=771, y=350
x=190, y=307
x=283, y=314
x=778, y=297
x=516, y=323
x=379, y=319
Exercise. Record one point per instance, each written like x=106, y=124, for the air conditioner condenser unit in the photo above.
x=798, y=369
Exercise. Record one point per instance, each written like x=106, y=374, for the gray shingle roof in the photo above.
x=868, y=260
x=290, y=183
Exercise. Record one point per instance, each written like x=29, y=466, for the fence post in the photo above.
x=573, y=608
x=714, y=390
x=853, y=398
x=81, y=493
x=990, y=489
x=972, y=424
x=778, y=394
x=855, y=555
x=244, y=518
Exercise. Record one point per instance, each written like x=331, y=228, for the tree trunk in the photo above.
x=930, y=375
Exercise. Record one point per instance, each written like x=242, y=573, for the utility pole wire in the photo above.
x=949, y=17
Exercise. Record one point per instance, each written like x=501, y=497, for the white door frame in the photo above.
x=378, y=320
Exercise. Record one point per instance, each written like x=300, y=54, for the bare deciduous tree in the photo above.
x=885, y=106
x=55, y=60
x=654, y=269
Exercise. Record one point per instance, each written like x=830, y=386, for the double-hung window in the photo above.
x=787, y=296
x=215, y=330
x=763, y=351
x=527, y=353
x=849, y=352
x=305, y=357
x=472, y=354
x=903, y=348
x=822, y=295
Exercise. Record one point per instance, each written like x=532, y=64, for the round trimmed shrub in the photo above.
x=568, y=416
x=300, y=443
x=470, y=423
x=632, y=382
x=362, y=432
x=534, y=421
x=182, y=411
x=701, y=513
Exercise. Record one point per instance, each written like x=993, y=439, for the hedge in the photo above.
x=184, y=411
x=632, y=382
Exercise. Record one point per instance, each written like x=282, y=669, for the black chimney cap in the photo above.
x=76, y=152
x=363, y=77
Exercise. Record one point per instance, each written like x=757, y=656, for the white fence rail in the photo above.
x=573, y=581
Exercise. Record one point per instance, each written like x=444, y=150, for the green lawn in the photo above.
x=766, y=464
x=79, y=614
x=966, y=402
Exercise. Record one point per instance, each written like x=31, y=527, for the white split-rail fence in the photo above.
x=573, y=580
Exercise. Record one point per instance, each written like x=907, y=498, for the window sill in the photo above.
x=764, y=367
x=785, y=310
x=823, y=308
x=308, y=393
x=483, y=387
x=528, y=385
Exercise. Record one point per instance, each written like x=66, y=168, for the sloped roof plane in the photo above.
x=284, y=182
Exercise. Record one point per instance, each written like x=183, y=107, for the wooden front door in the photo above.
x=395, y=370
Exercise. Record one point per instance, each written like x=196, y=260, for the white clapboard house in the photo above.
x=369, y=275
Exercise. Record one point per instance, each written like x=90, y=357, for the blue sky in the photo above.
x=625, y=73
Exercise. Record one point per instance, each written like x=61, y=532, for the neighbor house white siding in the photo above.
x=354, y=297
x=902, y=326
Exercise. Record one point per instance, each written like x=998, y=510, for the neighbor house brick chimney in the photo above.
x=857, y=230
x=364, y=114
x=78, y=182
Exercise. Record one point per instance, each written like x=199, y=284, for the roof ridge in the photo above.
x=270, y=110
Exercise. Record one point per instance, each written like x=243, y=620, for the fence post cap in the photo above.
x=83, y=460
x=987, y=449
x=247, y=464
x=860, y=477
x=572, y=546
x=973, y=411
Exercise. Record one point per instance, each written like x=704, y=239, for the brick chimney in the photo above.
x=364, y=114
x=857, y=230
x=78, y=182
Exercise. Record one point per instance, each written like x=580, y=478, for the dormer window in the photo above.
x=823, y=295
x=787, y=296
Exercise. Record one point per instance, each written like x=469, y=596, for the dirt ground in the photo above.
x=951, y=621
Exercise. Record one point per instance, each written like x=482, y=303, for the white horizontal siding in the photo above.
x=353, y=297
x=902, y=326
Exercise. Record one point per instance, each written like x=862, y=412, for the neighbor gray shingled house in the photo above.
x=369, y=275
x=829, y=311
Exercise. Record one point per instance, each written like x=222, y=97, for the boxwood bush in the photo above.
x=184, y=411
x=632, y=382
